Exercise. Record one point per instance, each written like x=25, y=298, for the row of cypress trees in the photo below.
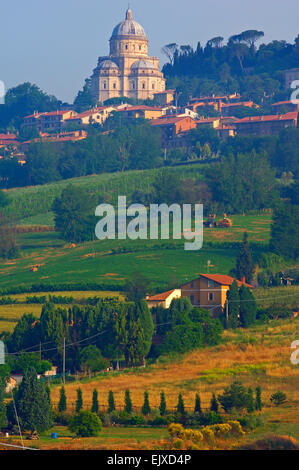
x=146, y=408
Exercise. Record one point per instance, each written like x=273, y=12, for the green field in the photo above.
x=32, y=205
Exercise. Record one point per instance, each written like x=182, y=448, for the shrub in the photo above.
x=235, y=396
x=86, y=424
x=272, y=442
x=208, y=434
x=175, y=430
x=278, y=398
x=236, y=428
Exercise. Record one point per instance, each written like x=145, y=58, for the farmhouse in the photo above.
x=209, y=291
x=164, y=299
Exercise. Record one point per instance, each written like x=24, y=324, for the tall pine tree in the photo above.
x=248, y=307
x=32, y=403
x=233, y=300
x=244, y=264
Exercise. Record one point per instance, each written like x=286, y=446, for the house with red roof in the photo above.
x=266, y=125
x=164, y=299
x=51, y=121
x=209, y=291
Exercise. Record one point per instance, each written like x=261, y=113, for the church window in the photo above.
x=143, y=86
x=126, y=46
x=153, y=86
x=105, y=85
x=114, y=86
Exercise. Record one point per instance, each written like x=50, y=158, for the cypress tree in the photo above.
x=197, y=407
x=251, y=401
x=128, y=402
x=181, y=405
x=62, y=400
x=248, y=307
x=146, y=409
x=79, y=401
x=244, y=263
x=214, y=404
x=258, y=398
x=111, y=402
x=233, y=299
x=32, y=403
x=162, y=404
x=95, y=402
x=147, y=324
x=3, y=418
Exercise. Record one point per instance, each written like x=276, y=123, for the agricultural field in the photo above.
x=32, y=205
x=110, y=262
x=259, y=355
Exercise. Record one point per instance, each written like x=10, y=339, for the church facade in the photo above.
x=128, y=70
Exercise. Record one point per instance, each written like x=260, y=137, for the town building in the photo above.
x=173, y=128
x=96, y=115
x=141, y=111
x=209, y=291
x=128, y=70
x=51, y=121
x=282, y=107
x=266, y=125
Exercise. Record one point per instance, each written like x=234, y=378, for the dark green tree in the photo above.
x=95, y=401
x=285, y=230
x=111, y=402
x=62, y=400
x=3, y=418
x=248, y=307
x=32, y=403
x=214, y=404
x=74, y=211
x=258, y=398
x=244, y=263
x=278, y=398
x=162, y=406
x=197, y=406
x=251, y=402
x=146, y=409
x=79, y=401
x=128, y=402
x=181, y=404
x=86, y=424
x=233, y=300
x=91, y=359
x=234, y=396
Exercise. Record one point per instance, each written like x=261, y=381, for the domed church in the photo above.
x=128, y=70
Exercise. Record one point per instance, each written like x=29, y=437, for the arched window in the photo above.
x=153, y=86
x=143, y=86
x=105, y=85
x=114, y=86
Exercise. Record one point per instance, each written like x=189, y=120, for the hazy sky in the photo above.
x=56, y=43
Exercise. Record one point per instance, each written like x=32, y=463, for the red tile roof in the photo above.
x=141, y=108
x=165, y=121
x=284, y=102
x=8, y=136
x=161, y=296
x=276, y=117
x=224, y=279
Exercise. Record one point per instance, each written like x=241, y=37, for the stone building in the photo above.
x=128, y=70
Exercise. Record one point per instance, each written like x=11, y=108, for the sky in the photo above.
x=56, y=43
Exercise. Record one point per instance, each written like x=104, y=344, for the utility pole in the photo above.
x=64, y=360
x=226, y=312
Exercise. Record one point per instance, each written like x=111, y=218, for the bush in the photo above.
x=272, y=442
x=278, y=398
x=86, y=424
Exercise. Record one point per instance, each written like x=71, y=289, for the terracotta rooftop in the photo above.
x=165, y=121
x=275, y=117
x=162, y=295
x=223, y=279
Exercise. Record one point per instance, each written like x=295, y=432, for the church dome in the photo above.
x=128, y=27
x=143, y=64
x=108, y=64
